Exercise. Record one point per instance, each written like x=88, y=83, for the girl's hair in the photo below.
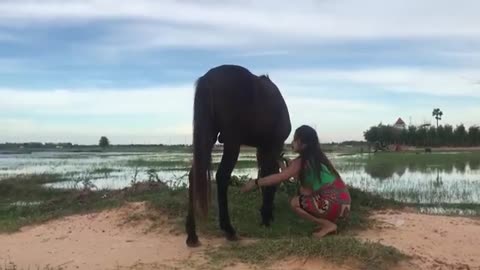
x=312, y=155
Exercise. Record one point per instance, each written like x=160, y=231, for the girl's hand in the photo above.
x=282, y=165
x=248, y=186
x=283, y=162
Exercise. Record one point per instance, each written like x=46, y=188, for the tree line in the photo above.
x=443, y=135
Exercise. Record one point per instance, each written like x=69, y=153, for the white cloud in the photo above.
x=153, y=101
x=27, y=129
x=257, y=22
x=263, y=53
x=326, y=105
x=436, y=82
x=134, y=37
x=334, y=119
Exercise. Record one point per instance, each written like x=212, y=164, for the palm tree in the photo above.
x=438, y=114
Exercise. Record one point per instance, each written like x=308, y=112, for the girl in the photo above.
x=324, y=197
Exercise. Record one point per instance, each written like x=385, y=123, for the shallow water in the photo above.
x=452, y=178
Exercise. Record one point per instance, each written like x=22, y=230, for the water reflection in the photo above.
x=427, y=179
x=386, y=169
x=438, y=182
x=474, y=164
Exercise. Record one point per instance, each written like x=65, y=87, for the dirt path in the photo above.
x=120, y=239
x=434, y=242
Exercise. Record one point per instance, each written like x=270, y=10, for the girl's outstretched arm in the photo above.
x=273, y=179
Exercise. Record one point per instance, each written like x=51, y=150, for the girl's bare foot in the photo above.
x=325, y=230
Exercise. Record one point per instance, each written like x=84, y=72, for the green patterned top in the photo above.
x=312, y=180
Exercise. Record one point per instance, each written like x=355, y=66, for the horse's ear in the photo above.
x=265, y=76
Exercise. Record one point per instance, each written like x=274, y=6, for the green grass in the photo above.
x=338, y=249
x=289, y=234
x=24, y=200
x=103, y=170
x=245, y=215
x=48, y=203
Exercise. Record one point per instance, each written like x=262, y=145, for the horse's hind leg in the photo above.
x=267, y=160
x=224, y=172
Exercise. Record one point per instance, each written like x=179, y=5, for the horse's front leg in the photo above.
x=224, y=172
x=268, y=165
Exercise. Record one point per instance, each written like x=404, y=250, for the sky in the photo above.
x=72, y=71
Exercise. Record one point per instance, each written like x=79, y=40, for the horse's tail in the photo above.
x=203, y=139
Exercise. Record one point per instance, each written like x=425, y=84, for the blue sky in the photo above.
x=76, y=70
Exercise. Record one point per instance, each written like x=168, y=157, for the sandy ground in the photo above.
x=434, y=242
x=114, y=240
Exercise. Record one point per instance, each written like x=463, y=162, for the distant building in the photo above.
x=400, y=124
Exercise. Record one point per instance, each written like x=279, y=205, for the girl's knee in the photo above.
x=294, y=203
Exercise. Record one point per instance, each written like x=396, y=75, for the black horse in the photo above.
x=239, y=108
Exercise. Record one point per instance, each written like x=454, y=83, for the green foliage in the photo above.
x=385, y=134
x=474, y=135
x=424, y=136
x=104, y=142
x=437, y=113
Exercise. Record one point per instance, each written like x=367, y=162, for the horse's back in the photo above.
x=245, y=104
x=230, y=79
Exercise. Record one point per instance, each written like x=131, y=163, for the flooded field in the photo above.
x=428, y=179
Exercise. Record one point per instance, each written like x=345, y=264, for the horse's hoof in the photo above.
x=193, y=242
x=266, y=222
x=232, y=237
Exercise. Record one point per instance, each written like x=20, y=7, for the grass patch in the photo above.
x=288, y=235
x=28, y=188
x=13, y=217
x=103, y=170
x=336, y=249
x=24, y=201
x=244, y=212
